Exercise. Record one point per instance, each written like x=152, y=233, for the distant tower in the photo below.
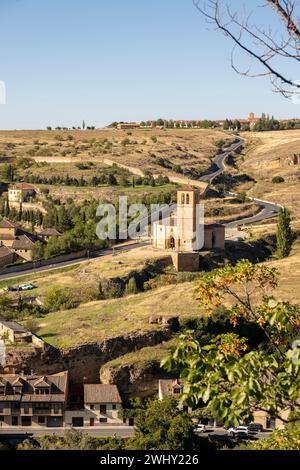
x=251, y=116
x=187, y=200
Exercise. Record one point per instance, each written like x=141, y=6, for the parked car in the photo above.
x=239, y=429
x=201, y=428
x=255, y=427
x=28, y=287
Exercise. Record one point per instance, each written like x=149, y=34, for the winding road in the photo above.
x=269, y=210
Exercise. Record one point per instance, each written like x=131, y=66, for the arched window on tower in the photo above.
x=182, y=199
x=187, y=198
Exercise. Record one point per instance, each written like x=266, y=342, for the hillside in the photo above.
x=261, y=161
x=138, y=148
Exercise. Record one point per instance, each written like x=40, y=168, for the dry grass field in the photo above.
x=89, y=273
x=188, y=148
x=260, y=160
x=95, y=321
x=166, y=152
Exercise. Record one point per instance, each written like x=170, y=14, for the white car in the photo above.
x=201, y=428
x=232, y=430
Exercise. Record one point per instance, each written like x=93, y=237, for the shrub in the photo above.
x=277, y=180
x=58, y=298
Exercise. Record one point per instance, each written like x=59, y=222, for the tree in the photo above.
x=268, y=40
x=284, y=234
x=58, y=298
x=131, y=287
x=219, y=143
x=83, y=125
x=38, y=251
x=112, y=180
x=224, y=375
x=162, y=426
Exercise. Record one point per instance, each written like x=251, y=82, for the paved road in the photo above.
x=50, y=267
x=107, y=431
x=103, y=431
x=219, y=161
x=269, y=209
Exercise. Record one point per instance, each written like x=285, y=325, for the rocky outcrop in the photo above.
x=84, y=361
x=134, y=379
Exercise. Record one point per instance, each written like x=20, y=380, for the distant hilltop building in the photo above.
x=252, y=120
x=128, y=125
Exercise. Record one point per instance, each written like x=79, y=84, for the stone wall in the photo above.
x=186, y=262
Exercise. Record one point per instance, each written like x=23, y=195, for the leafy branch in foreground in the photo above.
x=225, y=376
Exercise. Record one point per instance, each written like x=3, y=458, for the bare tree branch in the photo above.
x=260, y=44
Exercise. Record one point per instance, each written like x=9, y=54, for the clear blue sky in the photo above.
x=110, y=60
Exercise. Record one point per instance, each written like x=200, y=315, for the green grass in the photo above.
x=95, y=321
x=143, y=357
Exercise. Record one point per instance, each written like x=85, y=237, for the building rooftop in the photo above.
x=5, y=251
x=58, y=384
x=13, y=326
x=23, y=242
x=8, y=224
x=100, y=393
x=50, y=232
x=23, y=187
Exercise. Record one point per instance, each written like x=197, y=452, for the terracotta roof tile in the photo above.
x=100, y=393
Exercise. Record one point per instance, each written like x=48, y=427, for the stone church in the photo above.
x=177, y=232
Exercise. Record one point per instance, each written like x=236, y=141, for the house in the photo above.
x=14, y=333
x=47, y=233
x=33, y=400
x=172, y=388
x=101, y=406
x=21, y=192
x=7, y=256
x=269, y=422
x=102, y=403
x=128, y=125
x=16, y=239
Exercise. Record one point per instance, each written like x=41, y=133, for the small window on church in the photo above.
x=182, y=199
x=187, y=198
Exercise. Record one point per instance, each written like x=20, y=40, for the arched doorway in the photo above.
x=171, y=242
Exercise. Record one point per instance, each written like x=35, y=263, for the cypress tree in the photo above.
x=284, y=234
x=131, y=287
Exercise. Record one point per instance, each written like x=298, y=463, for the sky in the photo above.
x=65, y=61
